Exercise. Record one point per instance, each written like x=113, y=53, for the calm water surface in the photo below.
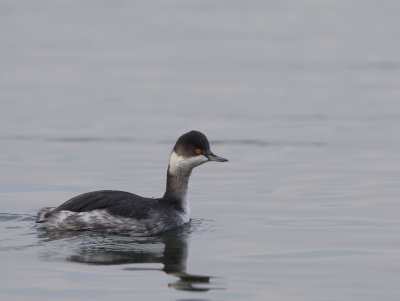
x=301, y=96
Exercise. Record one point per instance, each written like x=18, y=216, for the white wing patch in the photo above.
x=101, y=220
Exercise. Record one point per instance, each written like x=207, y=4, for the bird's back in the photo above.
x=120, y=203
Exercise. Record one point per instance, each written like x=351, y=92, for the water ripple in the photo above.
x=327, y=222
x=314, y=254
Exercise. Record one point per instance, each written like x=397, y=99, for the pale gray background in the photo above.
x=301, y=96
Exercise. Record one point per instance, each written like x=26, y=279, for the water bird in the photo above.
x=112, y=211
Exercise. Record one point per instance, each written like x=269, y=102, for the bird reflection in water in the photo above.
x=169, y=249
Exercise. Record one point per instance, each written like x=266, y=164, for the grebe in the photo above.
x=112, y=211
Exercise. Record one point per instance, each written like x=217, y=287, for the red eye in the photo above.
x=198, y=151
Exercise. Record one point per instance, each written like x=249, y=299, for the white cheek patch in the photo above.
x=179, y=163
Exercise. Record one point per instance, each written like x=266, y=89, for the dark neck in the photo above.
x=177, y=185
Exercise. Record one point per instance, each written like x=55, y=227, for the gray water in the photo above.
x=303, y=97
